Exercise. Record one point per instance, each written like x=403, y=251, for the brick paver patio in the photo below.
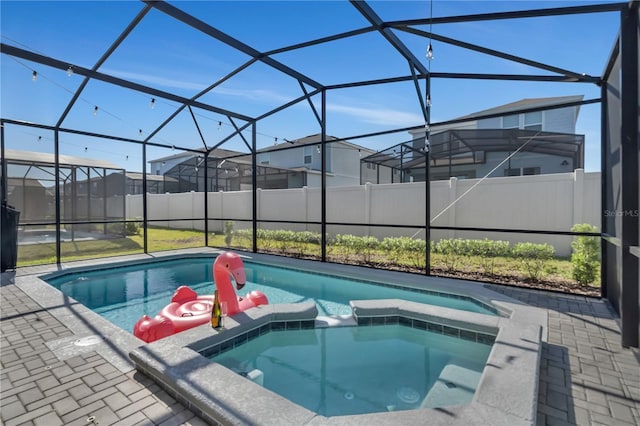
x=586, y=377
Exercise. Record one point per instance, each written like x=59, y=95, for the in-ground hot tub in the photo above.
x=191, y=367
x=337, y=371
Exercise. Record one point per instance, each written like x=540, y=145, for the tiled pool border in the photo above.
x=276, y=326
x=448, y=295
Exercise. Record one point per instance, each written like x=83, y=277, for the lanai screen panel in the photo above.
x=612, y=185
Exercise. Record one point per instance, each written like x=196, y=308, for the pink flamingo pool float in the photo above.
x=188, y=310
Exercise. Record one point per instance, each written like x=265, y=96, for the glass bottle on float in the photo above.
x=216, y=312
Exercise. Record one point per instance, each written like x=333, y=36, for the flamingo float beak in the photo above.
x=240, y=278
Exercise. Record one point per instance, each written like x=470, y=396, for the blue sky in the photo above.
x=172, y=57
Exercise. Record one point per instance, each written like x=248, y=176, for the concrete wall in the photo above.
x=552, y=202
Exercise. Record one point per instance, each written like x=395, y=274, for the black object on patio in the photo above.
x=9, y=250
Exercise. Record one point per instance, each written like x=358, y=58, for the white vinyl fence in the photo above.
x=553, y=202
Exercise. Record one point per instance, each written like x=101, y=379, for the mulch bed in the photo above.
x=548, y=283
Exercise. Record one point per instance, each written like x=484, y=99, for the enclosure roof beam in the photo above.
x=225, y=38
x=321, y=40
x=507, y=56
x=229, y=137
x=244, y=139
x=239, y=130
x=458, y=75
x=387, y=32
x=311, y=105
x=195, y=121
x=514, y=77
x=288, y=104
x=534, y=13
x=102, y=60
x=416, y=84
x=201, y=93
x=62, y=65
x=91, y=134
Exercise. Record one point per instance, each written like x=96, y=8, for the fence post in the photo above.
x=451, y=214
x=367, y=205
x=258, y=202
x=305, y=197
x=578, y=196
x=221, y=211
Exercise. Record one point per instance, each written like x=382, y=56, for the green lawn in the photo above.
x=158, y=240
x=556, y=272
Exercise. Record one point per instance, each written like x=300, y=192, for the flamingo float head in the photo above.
x=233, y=264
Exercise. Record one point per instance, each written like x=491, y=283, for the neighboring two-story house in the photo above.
x=507, y=144
x=289, y=164
x=342, y=160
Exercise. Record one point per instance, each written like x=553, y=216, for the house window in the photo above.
x=511, y=122
x=308, y=154
x=512, y=172
x=265, y=158
x=533, y=120
x=526, y=121
x=371, y=166
x=527, y=171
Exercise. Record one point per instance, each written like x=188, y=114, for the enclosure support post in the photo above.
x=427, y=178
x=604, y=183
x=144, y=199
x=56, y=166
x=206, y=199
x=254, y=192
x=323, y=199
x=3, y=165
x=629, y=175
x=124, y=200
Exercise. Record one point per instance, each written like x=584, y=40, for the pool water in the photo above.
x=355, y=370
x=123, y=294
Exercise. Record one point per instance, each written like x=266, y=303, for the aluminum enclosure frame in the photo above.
x=626, y=238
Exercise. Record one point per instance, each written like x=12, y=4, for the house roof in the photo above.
x=216, y=153
x=316, y=138
x=524, y=104
x=24, y=182
x=66, y=160
x=150, y=177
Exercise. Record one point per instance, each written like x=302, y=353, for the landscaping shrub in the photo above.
x=533, y=257
x=132, y=228
x=488, y=250
x=228, y=232
x=451, y=250
x=363, y=247
x=301, y=241
x=405, y=248
x=585, y=255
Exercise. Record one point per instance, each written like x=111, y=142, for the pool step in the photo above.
x=335, y=321
x=455, y=386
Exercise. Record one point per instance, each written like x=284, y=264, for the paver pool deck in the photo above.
x=586, y=376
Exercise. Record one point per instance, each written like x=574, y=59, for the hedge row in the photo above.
x=407, y=250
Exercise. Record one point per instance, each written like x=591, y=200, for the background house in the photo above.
x=541, y=141
x=304, y=155
x=289, y=164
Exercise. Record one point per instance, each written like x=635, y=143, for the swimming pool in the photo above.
x=123, y=294
x=180, y=364
x=324, y=370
